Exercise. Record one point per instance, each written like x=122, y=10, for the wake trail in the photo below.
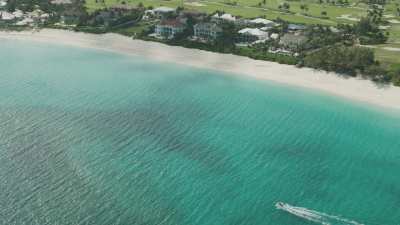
x=314, y=216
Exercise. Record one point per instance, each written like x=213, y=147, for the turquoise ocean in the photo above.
x=97, y=138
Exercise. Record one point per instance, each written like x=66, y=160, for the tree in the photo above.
x=324, y=13
x=11, y=5
x=375, y=13
x=368, y=32
x=377, y=73
x=394, y=74
x=304, y=7
x=179, y=9
x=341, y=59
x=285, y=6
x=226, y=41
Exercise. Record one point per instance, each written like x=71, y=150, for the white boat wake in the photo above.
x=314, y=216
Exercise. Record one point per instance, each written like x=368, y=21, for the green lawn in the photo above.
x=133, y=30
x=250, y=9
x=386, y=56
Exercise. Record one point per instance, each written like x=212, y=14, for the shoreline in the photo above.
x=356, y=89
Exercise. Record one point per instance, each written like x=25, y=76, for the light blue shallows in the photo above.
x=96, y=138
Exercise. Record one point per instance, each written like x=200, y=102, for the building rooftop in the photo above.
x=296, y=27
x=262, y=21
x=61, y=2
x=208, y=26
x=163, y=9
x=6, y=15
x=225, y=16
x=253, y=31
x=18, y=13
x=24, y=22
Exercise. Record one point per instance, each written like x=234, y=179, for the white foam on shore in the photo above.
x=351, y=88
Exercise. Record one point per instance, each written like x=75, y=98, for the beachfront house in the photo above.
x=207, y=31
x=251, y=35
x=169, y=28
x=6, y=16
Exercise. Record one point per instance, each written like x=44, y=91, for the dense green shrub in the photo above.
x=341, y=59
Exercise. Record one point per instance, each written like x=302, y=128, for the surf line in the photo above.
x=314, y=216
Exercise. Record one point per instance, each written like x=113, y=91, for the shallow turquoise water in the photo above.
x=90, y=137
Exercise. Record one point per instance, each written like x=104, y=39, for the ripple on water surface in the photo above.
x=89, y=137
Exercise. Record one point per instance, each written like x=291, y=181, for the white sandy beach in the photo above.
x=351, y=88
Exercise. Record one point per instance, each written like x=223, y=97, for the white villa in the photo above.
x=251, y=35
x=6, y=16
x=169, y=28
x=207, y=31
